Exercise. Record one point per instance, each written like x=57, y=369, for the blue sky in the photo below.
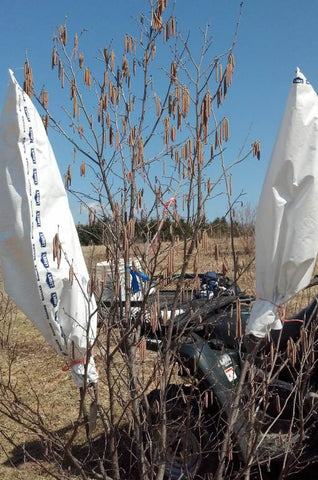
x=275, y=37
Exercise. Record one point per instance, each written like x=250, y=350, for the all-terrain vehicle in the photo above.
x=232, y=411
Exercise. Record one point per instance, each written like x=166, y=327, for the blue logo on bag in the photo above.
x=50, y=280
x=31, y=137
x=44, y=259
x=33, y=155
x=26, y=111
x=54, y=299
x=38, y=218
x=42, y=239
x=37, y=197
x=35, y=176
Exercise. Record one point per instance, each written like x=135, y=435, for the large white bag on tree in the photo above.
x=35, y=216
x=286, y=231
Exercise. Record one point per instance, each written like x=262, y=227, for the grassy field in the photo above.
x=47, y=392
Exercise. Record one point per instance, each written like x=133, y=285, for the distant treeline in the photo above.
x=145, y=230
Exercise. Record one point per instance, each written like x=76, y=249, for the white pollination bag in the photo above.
x=39, y=245
x=287, y=216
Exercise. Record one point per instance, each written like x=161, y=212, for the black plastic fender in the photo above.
x=221, y=369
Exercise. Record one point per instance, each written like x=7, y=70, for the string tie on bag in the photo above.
x=281, y=312
x=79, y=361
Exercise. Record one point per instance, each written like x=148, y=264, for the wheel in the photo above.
x=181, y=449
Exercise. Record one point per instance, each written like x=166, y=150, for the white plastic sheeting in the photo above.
x=287, y=215
x=33, y=209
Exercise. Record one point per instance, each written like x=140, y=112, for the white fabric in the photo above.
x=33, y=208
x=287, y=216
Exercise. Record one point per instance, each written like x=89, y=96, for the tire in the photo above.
x=183, y=454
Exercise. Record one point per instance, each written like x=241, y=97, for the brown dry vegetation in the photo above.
x=38, y=380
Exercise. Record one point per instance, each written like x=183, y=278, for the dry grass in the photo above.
x=212, y=254
x=36, y=370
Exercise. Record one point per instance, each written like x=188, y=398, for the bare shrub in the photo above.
x=147, y=138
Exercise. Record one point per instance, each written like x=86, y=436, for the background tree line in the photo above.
x=93, y=233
